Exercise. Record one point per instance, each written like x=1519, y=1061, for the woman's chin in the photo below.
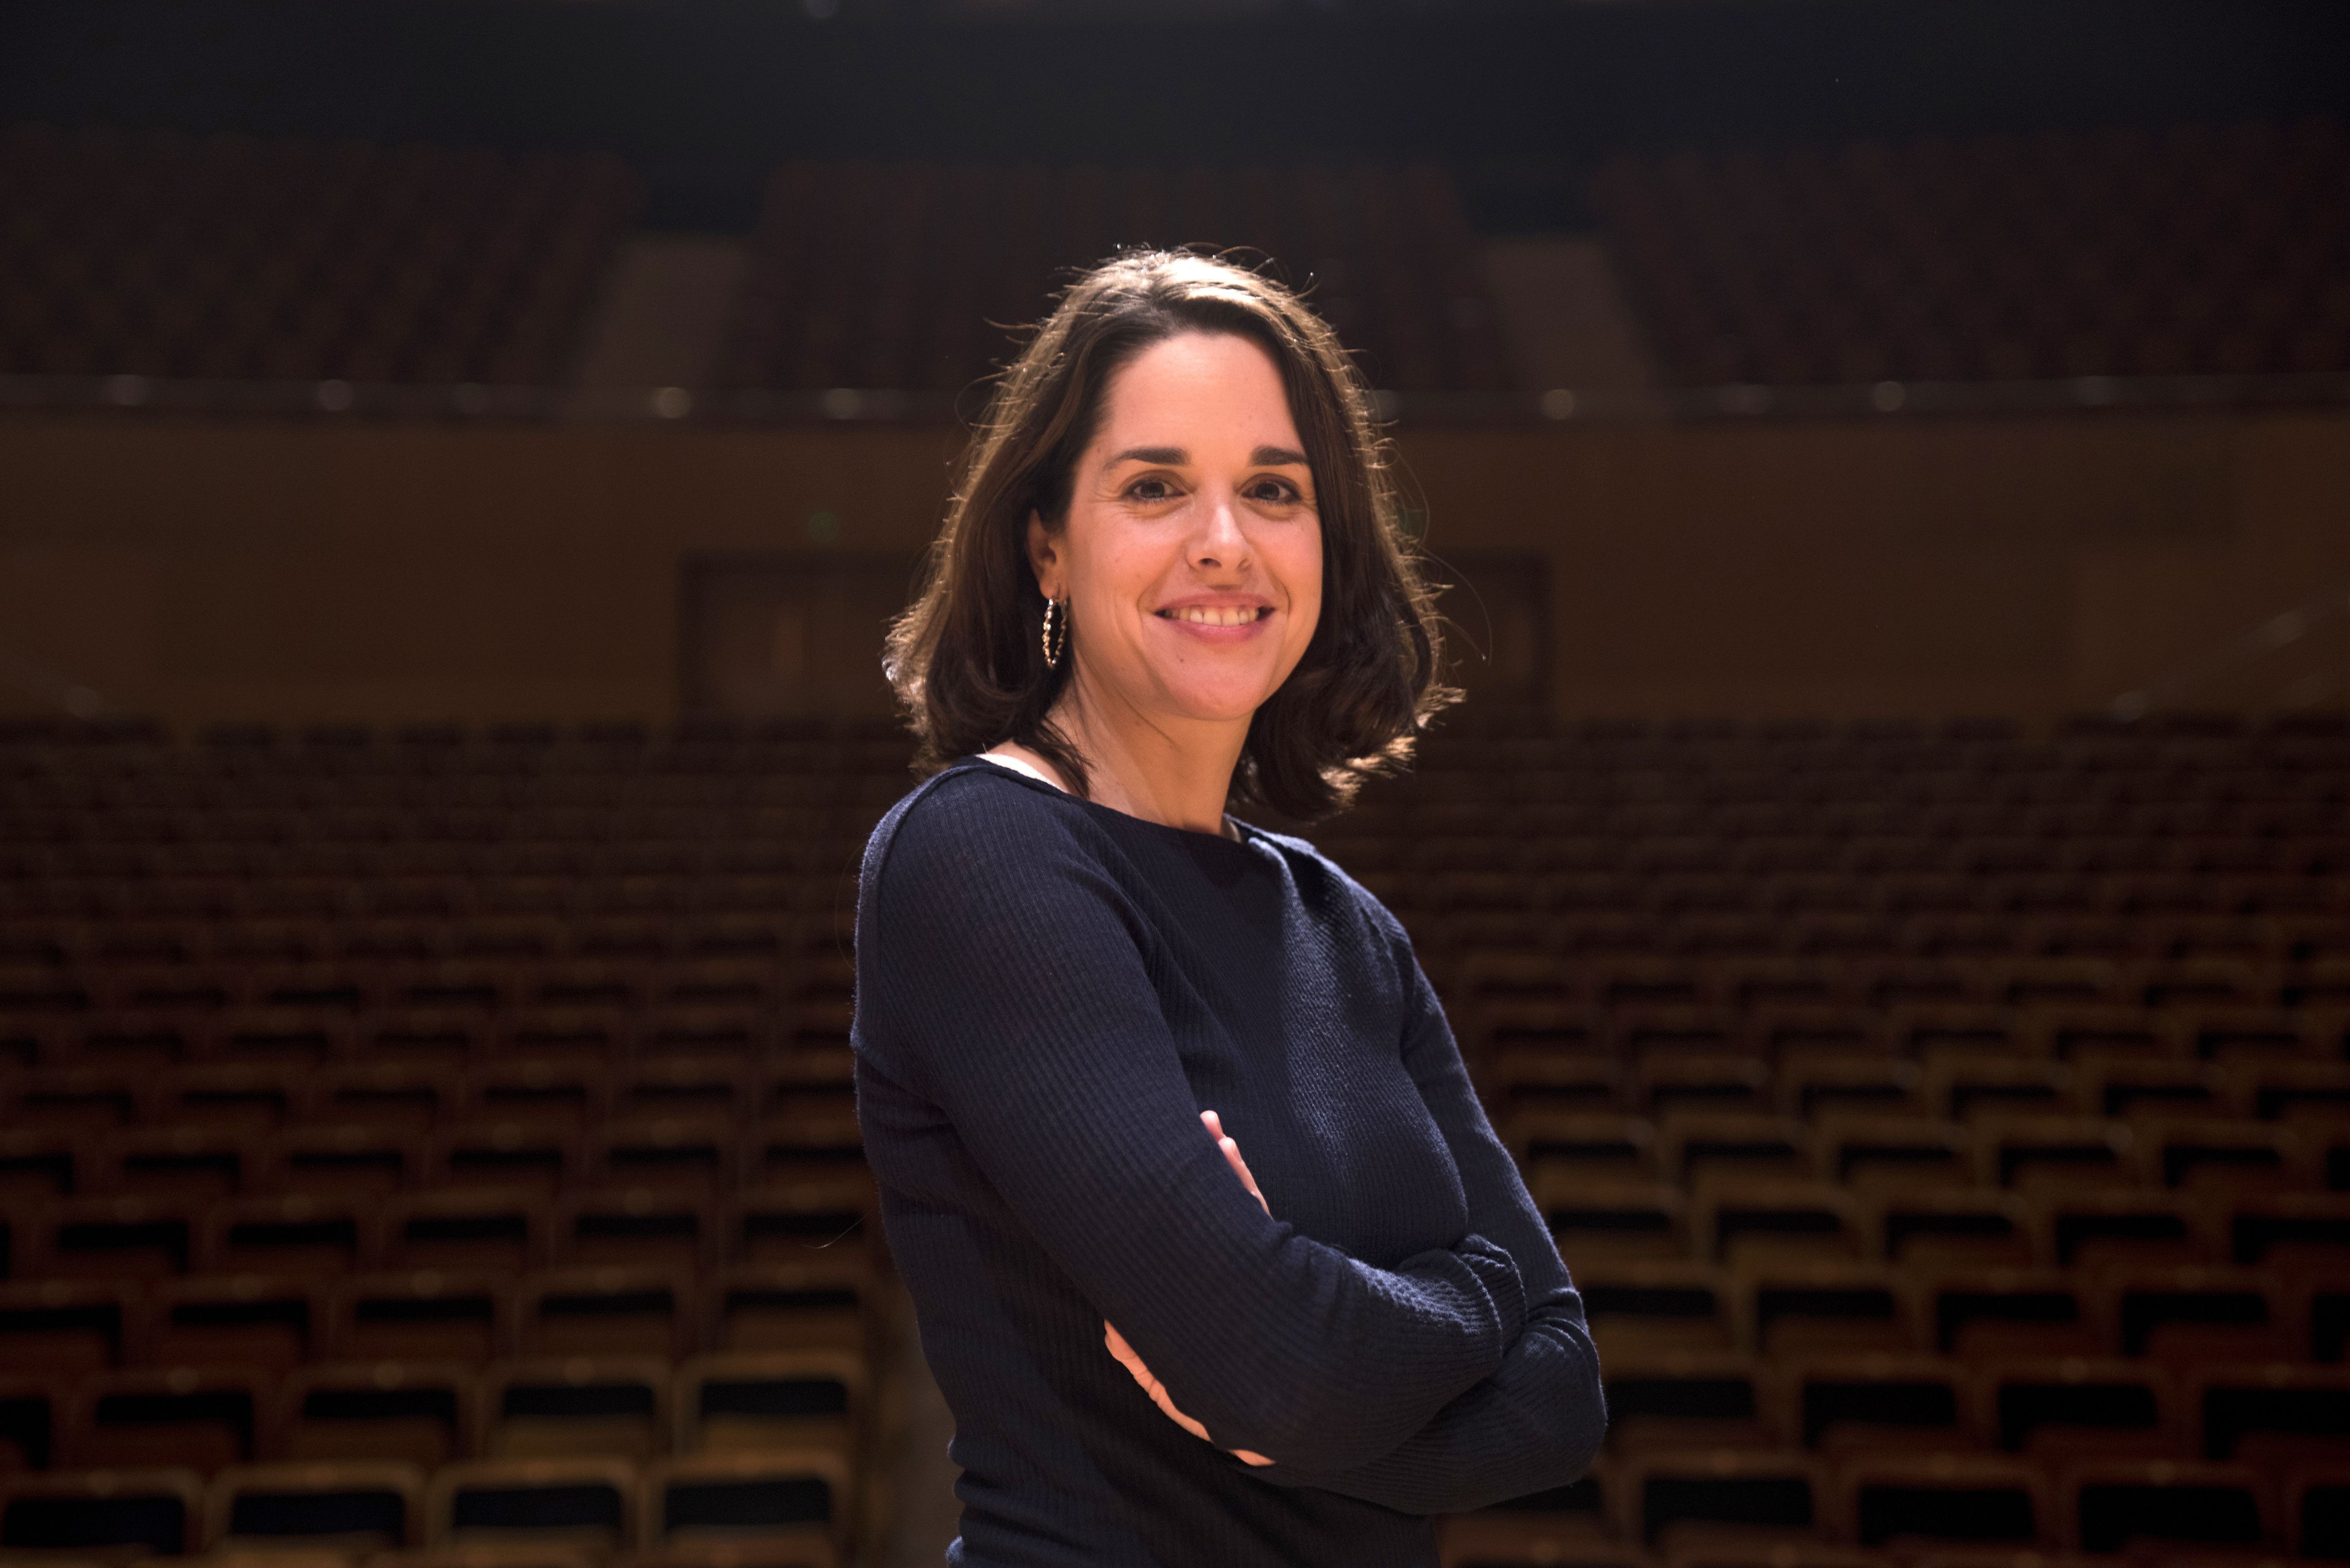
x=1218, y=705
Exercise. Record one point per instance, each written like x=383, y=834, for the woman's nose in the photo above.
x=1220, y=541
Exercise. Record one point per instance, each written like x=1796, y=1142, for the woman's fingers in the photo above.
x=1151, y=1384
x=1231, y=1153
x=1124, y=1353
x=1126, y=1357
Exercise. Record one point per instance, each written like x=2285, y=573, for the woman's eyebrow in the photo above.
x=1277, y=457
x=1176, y=457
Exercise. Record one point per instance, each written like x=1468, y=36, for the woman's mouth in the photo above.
x=1216, y=615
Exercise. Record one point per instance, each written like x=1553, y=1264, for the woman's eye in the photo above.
x=1273, y=490
x=1151, y=490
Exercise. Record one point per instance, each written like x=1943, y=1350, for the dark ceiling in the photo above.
x=706, y=95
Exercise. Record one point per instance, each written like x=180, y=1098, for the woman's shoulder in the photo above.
x=966, y=818
x=1320, y=878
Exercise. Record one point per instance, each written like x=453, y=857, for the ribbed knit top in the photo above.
x=1048, y=993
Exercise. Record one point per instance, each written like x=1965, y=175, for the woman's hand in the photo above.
x=1125, y=1351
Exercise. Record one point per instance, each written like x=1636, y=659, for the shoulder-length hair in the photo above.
x=966, y=659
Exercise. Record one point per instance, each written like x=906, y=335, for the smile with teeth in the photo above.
x=1218, y=615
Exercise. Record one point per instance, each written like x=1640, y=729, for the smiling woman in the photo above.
x=1170, y=584
x=1167, y=394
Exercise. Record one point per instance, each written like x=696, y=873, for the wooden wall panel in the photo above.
x=294, y=570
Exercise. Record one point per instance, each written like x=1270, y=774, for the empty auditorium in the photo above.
x=490, y=494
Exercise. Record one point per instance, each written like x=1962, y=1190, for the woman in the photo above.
x=1096, y=1017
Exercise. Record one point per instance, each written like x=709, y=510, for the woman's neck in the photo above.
x=1178, y=775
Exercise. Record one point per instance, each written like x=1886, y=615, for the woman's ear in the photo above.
x=1044, y=559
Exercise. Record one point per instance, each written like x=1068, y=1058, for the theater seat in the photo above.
x=1645, y=1306
x=420, y=1413
x=791, y=1307
x=349, y=1508
x=748, y=1403
x=1766, y=1222
x=359, y=1161
x=1603, y=1223
x=65, y=1328
x=2098, y=1227
x=582, y=1504
x=423, y=1314
x=1680, y=1497
x=466, y=1228
x=2271, y=1415
x=1679, y=1399
x=1917, y=1499
x=694, y=1551
x=114, y=1238
x=236, y=1320
x=615, y=1406
x=32, y=1415
x=189, y=1417
x=2291, y=1232
x=1811, y=1308
x=2114, y=1505
x=1578, y=1516
x=1729, y=1552
x=794, y=1502
x=1491, y=1540
x=1561, y=1150
x=1878, y=1153
x=804, y=1221
x=1862, y=1404
x=40, y=1165
x=1532, y=1083
x=2190, y=1314
x=2074, y=1406
x=1831, y=1084
x=2317, y=1509
x=2011, y=1312
x=1933, y=1230
x=640, y=1226
x=607, y=1312
x=297, y=1233
x=105, y=1513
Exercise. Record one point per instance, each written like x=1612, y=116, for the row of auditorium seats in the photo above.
x=498, y=1217
x=880, y=274
x=776, y=1506
x=404, y=1207
x=237, y=258
x=1949, y=1130
x=2195, y=251
x=231, y=257
x=1943, y=1063
x=206, y=1416
x=2181, y=1315
x=320, y=1308
x=1946, y=1125
x=473, y=1082
x=1843, y=1402
x=1762, y=1508
x=2199, y=1158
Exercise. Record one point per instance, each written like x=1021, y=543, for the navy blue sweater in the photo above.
x=1048, y=993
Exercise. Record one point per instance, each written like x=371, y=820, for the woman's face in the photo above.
x=1191, y=557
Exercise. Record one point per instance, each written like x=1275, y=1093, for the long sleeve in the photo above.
x=1004, y=975
x=1538, y=1420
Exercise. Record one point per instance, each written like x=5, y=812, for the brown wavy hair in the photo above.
x=965, y=657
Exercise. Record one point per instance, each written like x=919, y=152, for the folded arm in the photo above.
x=1537, y=1421
x=1004, y=972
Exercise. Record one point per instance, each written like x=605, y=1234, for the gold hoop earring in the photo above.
x=1057, y=622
